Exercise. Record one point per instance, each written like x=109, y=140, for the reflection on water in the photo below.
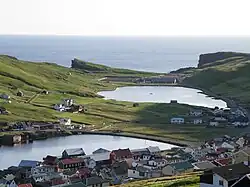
x=163, y=94
x=38, y=149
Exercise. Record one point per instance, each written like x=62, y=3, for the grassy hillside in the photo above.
x=191, y=180
x=228, y=77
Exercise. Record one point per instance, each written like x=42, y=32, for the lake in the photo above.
x=11, y=156
x=163, y=94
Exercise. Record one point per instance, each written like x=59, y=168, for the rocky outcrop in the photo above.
x=205, y=59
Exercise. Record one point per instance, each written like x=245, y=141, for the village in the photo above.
x=223, y=160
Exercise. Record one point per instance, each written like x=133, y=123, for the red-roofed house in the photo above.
x=57, y=182
x=71, y=163
x=122, y=154
x=25, y=185
x=223, y=161
x=83, y=173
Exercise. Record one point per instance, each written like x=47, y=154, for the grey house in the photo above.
x=67, y=153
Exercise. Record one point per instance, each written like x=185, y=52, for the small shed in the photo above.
x=20, y=94
x=135, y=104
x=45, y=92
x=173, y=101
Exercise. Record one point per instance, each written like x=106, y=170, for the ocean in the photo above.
x=155, y=54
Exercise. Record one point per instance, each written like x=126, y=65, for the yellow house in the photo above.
x=241, y=156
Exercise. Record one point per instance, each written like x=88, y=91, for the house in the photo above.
x=177, y=168
x=102, y=159
x=89, y=162
x=20, y=94
x=25, y=185
x=213, y=123
x=96, y=181
x=229, y=145
x=8, y=181
x=240, y=124
x=121, y=154
x=139, y=172
x=243, y=181
x=68, y=153
x=68, y=102
x=5, y=96
x=28, y=163
x=59, y=107
x=44, y=125
x=50, y=160
x=154, y=150
x=42, y=169
x=177, y=121
x=71, y=163
x=220, y=119
x=224, y=176
x=83, y=173
x=195, y=113
x=12, y=139
x=158, y=163
x=240, y=142
x=223, y=162
x=242, y=155
x=138, y=153
x=119, y=170
x=101, y=150
x=204, y=165
x=65, y=121
x=197, y=121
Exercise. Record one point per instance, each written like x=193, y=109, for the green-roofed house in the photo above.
x=176, y=168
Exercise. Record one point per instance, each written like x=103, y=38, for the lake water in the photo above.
x=157, y=54
x=10, y=156
x=163, y=94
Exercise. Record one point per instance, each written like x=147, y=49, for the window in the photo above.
x=133, y=171
x=141, y=174
x=221, y=183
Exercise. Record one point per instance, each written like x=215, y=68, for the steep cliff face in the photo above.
x=209, y=58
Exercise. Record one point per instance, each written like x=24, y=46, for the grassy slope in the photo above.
x=177, y=181
x=229, y=77
x=31, y=78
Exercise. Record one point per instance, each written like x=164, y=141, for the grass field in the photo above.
x=191, y=180
x=82, y=86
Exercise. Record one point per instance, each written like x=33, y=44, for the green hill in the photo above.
x=228, y=77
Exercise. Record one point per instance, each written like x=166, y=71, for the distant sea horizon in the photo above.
x=154, y=54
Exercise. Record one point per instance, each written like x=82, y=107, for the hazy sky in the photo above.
x=125, y=17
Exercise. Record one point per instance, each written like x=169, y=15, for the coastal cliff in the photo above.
x=209, y=58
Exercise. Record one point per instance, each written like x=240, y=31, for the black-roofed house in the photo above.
x=204, y=165
x=224, y=176
x=244, y=181
x=68, y=153
x=101, y=150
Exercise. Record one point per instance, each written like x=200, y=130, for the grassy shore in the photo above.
x=82, y=85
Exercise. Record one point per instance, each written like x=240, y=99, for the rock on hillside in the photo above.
x=205, y=59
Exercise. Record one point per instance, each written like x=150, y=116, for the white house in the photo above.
x=65, y=121
x=240, y=124
x=139, y=172
x=227, y=145
x=8, y=181
x=42, y=169
x=240, y=142
x=159, y=163
x=197, y=121
x=213, y=123
x=196, y=113
x=224, y=176
x=59, y=107
x=177, y=120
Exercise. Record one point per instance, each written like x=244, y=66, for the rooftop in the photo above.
x=153, y=149
x=204, y=165
x=232, y=172
x=101, y=150
x=72, y=160
x=75, y=151
x=28, y=163
x=122, y=153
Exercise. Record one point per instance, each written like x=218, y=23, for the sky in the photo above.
x=125, y=17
